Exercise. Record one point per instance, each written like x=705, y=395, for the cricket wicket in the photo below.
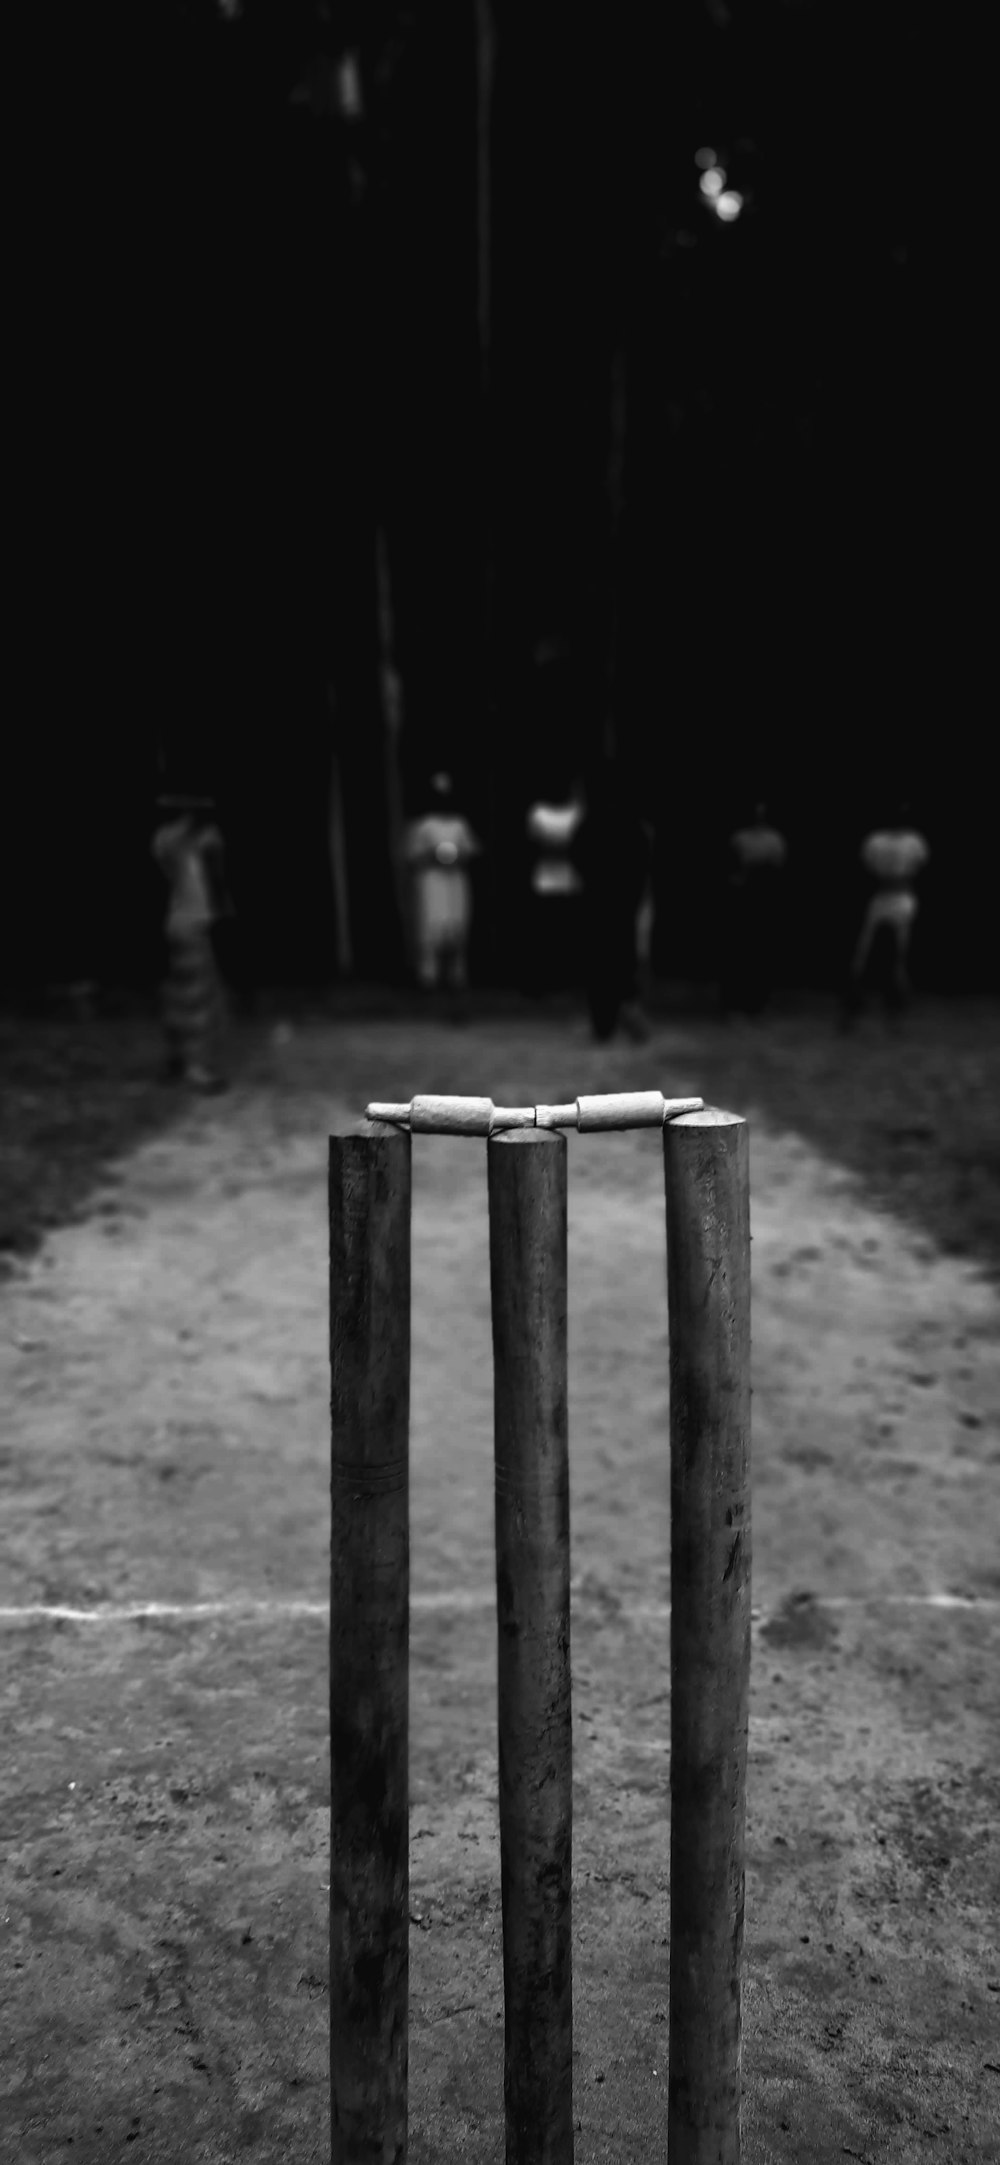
x=708, y=1288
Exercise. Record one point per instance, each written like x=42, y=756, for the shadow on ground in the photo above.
x=76, y=1095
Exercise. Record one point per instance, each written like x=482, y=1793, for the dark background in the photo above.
x=252, y=338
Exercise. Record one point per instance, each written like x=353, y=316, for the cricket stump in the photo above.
x=369, y=1197
x=527, y=1204
x=706, y=1166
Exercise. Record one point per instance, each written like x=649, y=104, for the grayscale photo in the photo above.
x=499, y=1091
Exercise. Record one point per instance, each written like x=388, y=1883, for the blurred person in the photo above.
x=440, y=848
x=758, y=853
x=188, y=847
x=555, y=888
x=645, y=924
x=611, y=851
x=232, y=953
x=893, y=857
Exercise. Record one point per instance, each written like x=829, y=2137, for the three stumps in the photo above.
x=708, y=1287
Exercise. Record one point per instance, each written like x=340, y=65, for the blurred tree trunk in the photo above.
x=618, y=423
x=485, y=57
x=338, y=869
x=392, y=726
x=493, y=835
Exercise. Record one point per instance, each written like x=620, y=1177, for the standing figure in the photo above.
x=550, y=956
x=757, y=856
x=611, y=851
x=893, y=856
x=188, y=848
x=440, y=849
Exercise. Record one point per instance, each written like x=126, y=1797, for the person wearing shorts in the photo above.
x=893, y=856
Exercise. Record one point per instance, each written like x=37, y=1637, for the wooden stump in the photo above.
x=708, y=1277
x=527, y=1192
x=369, y=1196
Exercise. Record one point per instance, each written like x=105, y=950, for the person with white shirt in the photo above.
x=440, y=848
x=550, y=960
x=893, y=856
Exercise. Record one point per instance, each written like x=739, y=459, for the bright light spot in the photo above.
x=704, y=158
x=728, y=206
x=713, y=183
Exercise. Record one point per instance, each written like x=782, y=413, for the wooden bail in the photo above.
x=435, y=1115
x=620, y=1109
x=527, y=1195
x=369, y=1197
x=706, y=1163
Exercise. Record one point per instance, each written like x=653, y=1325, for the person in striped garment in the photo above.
x=188, y=848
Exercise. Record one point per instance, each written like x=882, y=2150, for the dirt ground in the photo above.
x=163, y=1592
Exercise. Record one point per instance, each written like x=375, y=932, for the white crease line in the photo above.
x=904, y=1601
x=135, y=1611
x=459, y=1601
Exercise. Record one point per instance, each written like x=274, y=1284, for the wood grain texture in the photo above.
x=706, y=1164
x=369, y=1201
x=620, y=1109
x=434, y=1115
x=527, y=1201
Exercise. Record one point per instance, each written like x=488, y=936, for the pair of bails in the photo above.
x=433, y=1115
